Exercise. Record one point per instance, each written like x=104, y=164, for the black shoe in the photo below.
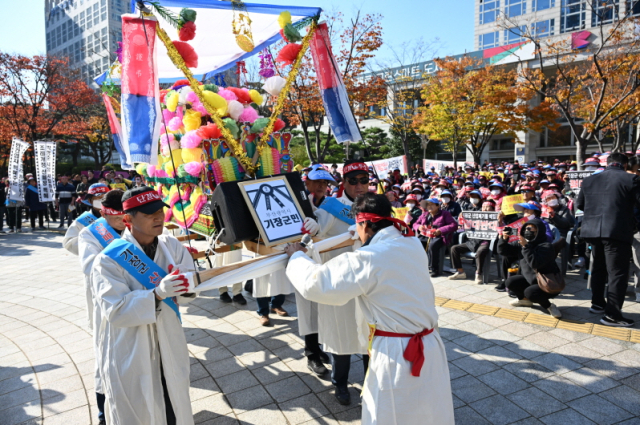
x=102, y=422
x=239, y=299
x=501, y=287
x=316, y=366
x=434, y=274
x=343, y=396
x=619, y=323
x=596, y=309
x=324, y=357
x=225, y=298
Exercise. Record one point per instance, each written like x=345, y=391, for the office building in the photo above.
x=84, y=31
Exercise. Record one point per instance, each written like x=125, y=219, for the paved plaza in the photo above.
x=506, y=367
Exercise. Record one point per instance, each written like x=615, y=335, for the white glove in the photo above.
x=311, y=226
x=172, y=285
x=354, y=232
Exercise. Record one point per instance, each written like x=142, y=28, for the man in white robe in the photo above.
x=145, y=356
x=93, y=198
x=338, y=328
x=91, y=241
x=408, y=378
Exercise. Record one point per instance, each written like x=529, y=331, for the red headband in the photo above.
x=374, y=218
x=109, y=211
x=142, y=199
x=356, y=166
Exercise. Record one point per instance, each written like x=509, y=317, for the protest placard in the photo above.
x=516, y=226
x=400, y=212
x=16, y=179
x=479, y=224
x=508, y=203
x=576, y=178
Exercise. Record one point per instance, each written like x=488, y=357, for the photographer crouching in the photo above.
x=536, y=263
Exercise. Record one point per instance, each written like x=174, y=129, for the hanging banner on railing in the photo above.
x=45, y=153
x=334, y=93
x=16, y=180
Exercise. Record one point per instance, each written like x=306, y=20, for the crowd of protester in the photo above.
x=68, y=204
x=435, y=200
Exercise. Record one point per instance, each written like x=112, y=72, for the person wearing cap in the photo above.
x=497, y=192
x=435, y=229
x=334, y=218
x=448, y=204
x=317, y=182
x=93, y=199
x=139, y=281
x=472, y=202
x=414, y=212
x=591, y=164
x=408, y=379
x=479, y=246
x=36, y=208
x=397, y=177
x=535, y=254
x=608, y=200
x=559, y=215
x=91, y=241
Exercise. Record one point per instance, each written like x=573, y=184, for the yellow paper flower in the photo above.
x=171, y=100
x=191, y=120
x=216, y=101
x=191, y=154
x=256, y=97
x=284, y=19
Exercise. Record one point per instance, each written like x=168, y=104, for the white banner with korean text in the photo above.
x=45, y=153
x=16, y=179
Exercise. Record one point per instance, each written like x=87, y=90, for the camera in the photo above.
x=508, y=231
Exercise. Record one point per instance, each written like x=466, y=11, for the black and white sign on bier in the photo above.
x=45, y=153
x=16, y=179
x=274, y=208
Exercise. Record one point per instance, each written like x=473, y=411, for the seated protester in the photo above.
x=497, y=193
x=543, y=185
x=536, y=255
x=435, y=228
x=528, y=194
x=397, y=189
x=553, y=177
x=532, y=210
x=317, y=182
x=414, y=212
x=448, y=204
x=560, y=216
x=480, y=247
x=418, y=191
x=473, y=202
x=393, y=199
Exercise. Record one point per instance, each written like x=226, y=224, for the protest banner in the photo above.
x=16, y=179
x=576, y=178
x=45, y=153
x=508, y=203
x=479, y=224
x=382, y=166
x=516, y=226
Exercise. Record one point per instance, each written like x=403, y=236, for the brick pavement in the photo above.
x=502, y=371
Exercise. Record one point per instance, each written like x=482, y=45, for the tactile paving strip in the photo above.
x=543, y=320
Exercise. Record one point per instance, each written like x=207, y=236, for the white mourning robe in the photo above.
x=387, y=281
x=136, y=337
x=70, y=241
x=338, y=327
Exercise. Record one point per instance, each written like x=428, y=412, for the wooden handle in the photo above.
x=211, y=273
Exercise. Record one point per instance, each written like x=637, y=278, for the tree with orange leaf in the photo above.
x=467, y=103
x=354, y=44
x=39, y=99
x=596, y=89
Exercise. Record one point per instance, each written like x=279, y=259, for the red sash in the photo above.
x=414, y=352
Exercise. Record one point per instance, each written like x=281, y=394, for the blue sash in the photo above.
x=32, y=188
x=104, y=233
x=337, y=209
x=86, y=218
x=140, y=266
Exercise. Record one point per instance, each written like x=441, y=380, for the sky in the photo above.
x=404, y=21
